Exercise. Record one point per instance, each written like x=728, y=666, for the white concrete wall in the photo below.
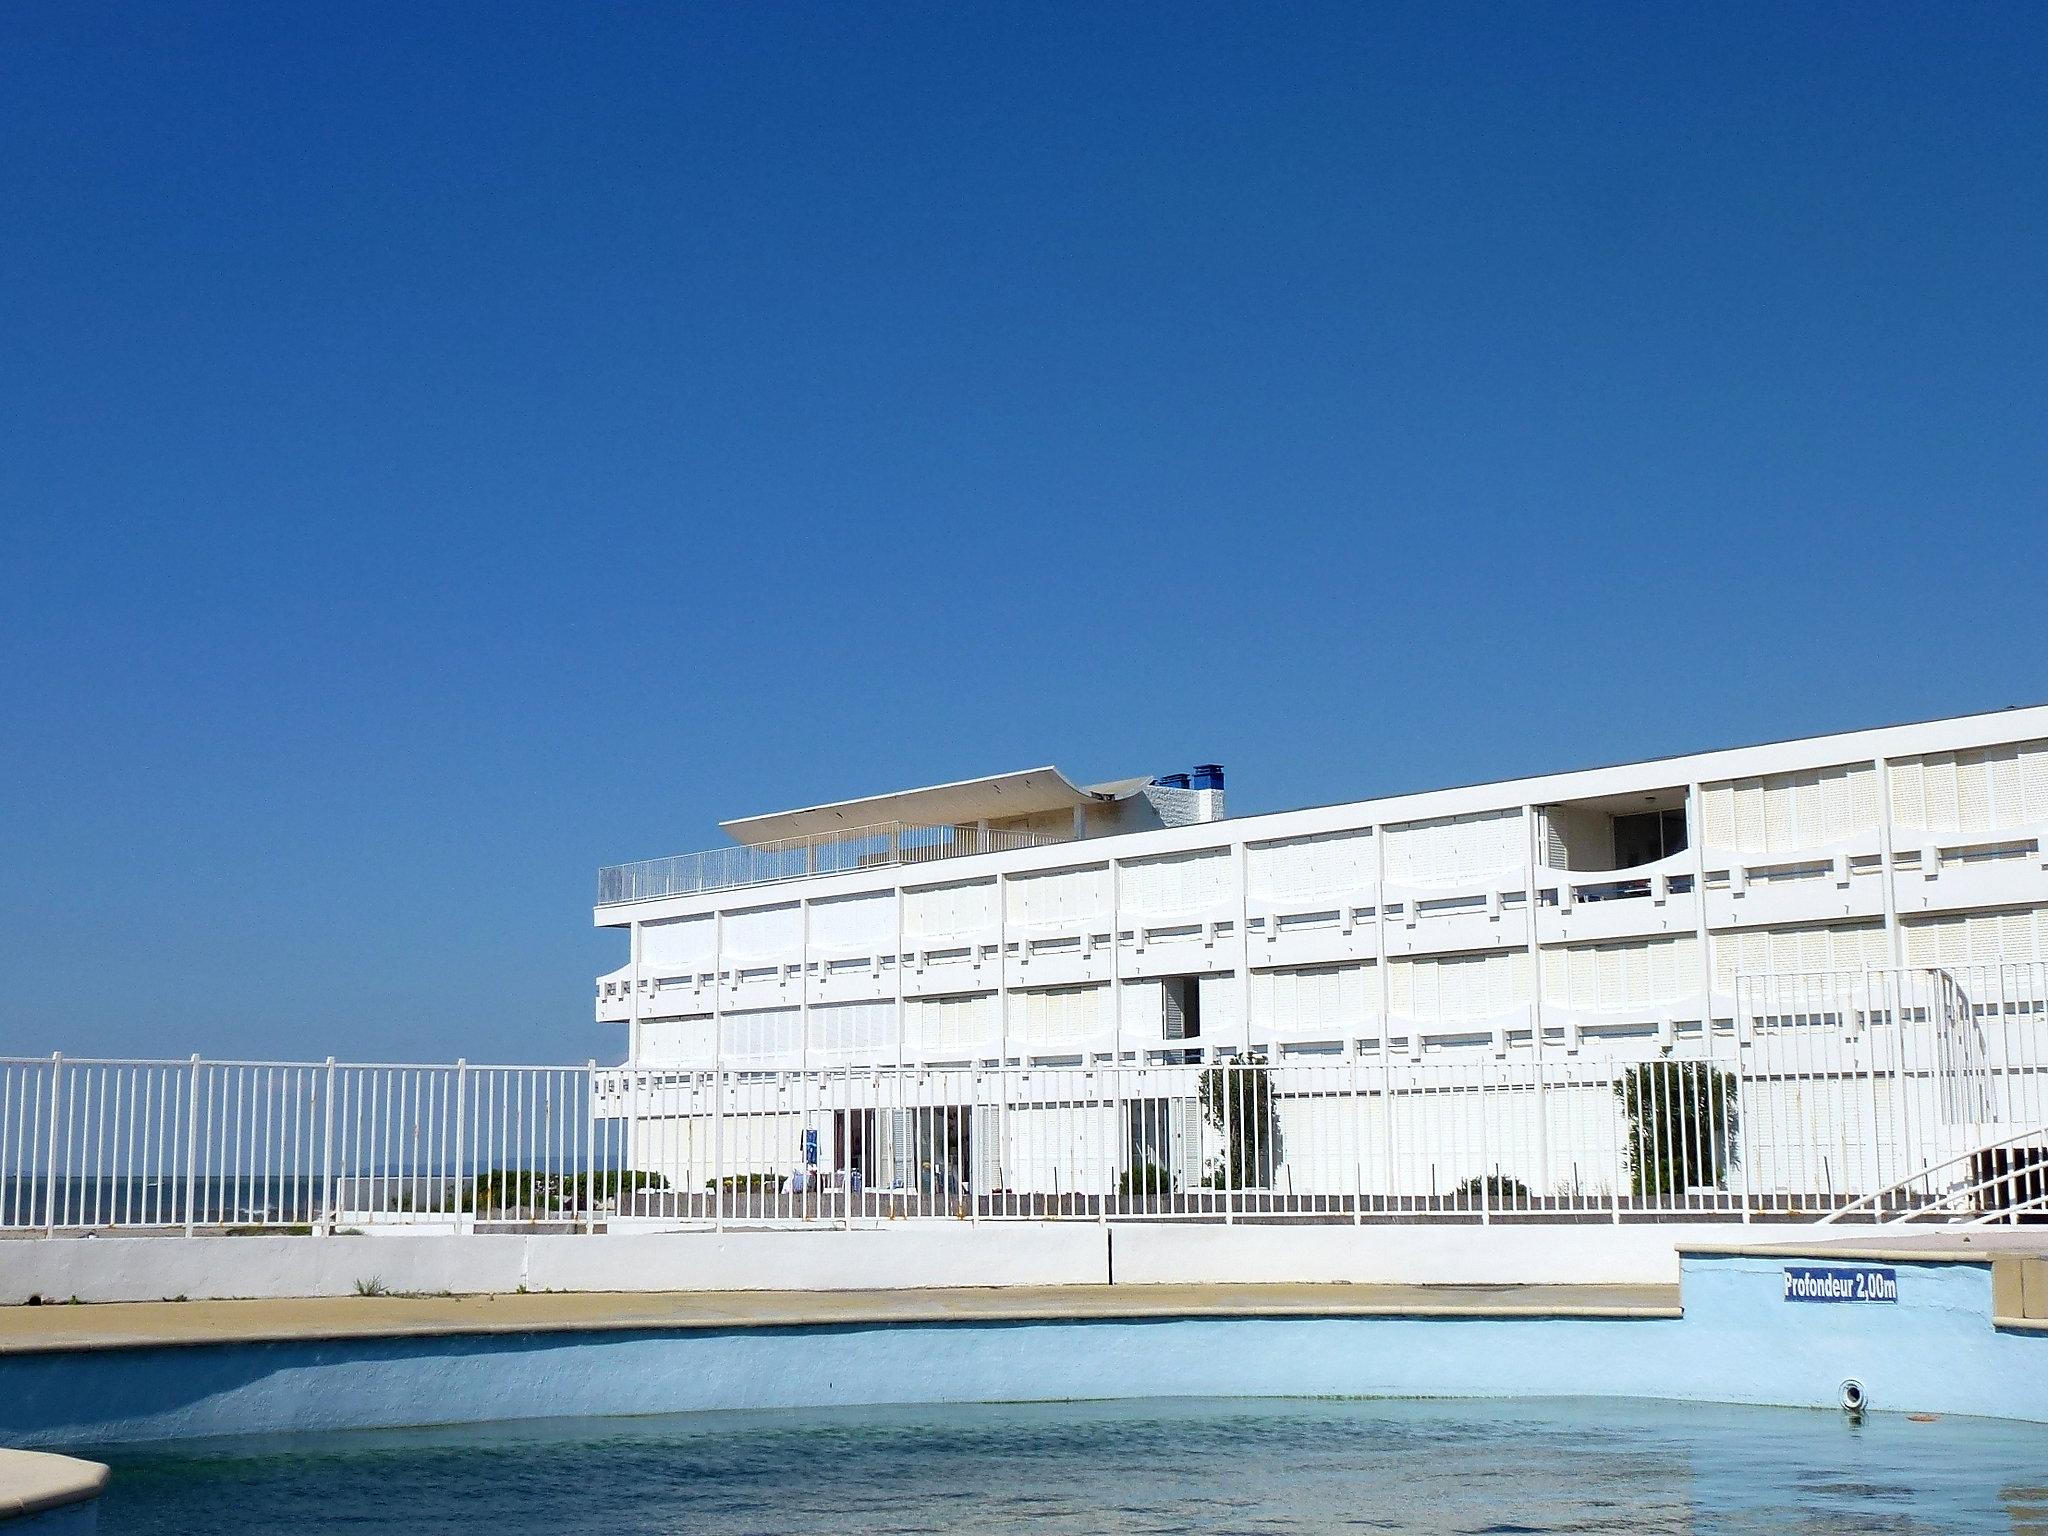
x=1417, y=1254
x=900, y=1256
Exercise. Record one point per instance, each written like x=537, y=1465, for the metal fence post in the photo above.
x=1745, y=1130
x=50, y=1160
x=1227, y=1081
x=328, y=1212
x=717, y=1149
x=1485, y=1172
x=590, y=1183
x=461, y=1178
x=192, y=1145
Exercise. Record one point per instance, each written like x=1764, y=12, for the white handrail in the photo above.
x=1877, y=1198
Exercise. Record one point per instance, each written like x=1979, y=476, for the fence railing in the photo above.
x=794, y=858
x=1859, y=1093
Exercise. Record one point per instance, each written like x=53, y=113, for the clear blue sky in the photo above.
x=447, y=448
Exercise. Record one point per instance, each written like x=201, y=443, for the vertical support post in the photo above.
x=50, y=1161
x=1111, y=1139
x=462, y=1184
x=327, y=1211
x=1894, y=935
x=590, y=1169
x=1745, y=1132
x=1355, y=1120
x=1870, y=1057
x=718, y=1148
x=192, y=1145
x=1534, y=939
x=1228, y=1084
x=1485, y=1163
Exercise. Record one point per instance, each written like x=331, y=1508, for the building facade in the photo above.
x=1025, y=920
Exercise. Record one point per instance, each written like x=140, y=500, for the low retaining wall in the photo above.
x=896, y=1256
x=1931, y=1348
x=1413, y=1254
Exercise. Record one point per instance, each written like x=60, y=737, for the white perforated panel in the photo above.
x=1062, y=898
x=949, y=911
x=1823, y=947
x=680, y=946
x=764, y=933
x=1455, y=848
x=1977, y=938
x=1972, y=792
x=1323, y=1002
x=861, y=924
x=1461, y=986
x=1177, y=882
x=1632, y=973
x=1787, y=813
x=1333, y=864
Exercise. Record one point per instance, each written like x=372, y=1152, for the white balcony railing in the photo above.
x=717, y=869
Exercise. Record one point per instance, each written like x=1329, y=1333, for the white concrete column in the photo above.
x=1532, y=934
x=1695, y=837
x=1240, y=857
x=1895, y=936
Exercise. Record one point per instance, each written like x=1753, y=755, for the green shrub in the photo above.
x=1495, y=1186
x=749, y=1183
x=523, y=1189
x=1145, y=1178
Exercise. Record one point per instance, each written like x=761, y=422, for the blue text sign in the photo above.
x=1821, y=1282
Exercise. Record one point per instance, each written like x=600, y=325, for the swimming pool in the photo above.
x=1185, y=1466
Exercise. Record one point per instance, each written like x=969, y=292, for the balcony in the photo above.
x=798, y=858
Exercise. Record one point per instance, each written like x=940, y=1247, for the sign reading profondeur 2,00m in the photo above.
x=1819, y=1282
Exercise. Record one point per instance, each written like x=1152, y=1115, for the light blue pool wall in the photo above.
x=1739, y=1342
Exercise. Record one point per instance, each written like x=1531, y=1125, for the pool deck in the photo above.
x=34, y=1481
x=145, y=1324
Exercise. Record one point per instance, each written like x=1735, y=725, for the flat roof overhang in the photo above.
x=999, y=797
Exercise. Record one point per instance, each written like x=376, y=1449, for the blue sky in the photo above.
x=449, y=448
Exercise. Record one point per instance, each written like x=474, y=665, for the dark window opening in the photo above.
x=1647, y=838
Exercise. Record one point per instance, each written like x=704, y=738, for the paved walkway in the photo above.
x=127, y=1325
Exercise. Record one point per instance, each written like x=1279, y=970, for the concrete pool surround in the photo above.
x=1961, y=1337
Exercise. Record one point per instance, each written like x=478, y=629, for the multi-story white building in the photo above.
x=1015, y=981
x=1025, y=919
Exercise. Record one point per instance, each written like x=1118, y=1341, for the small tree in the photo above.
x=1237, y=1098
x=1682, y=1119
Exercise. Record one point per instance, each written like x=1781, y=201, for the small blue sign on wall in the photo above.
x=1822, y=1282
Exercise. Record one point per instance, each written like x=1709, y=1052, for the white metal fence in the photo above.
x=1852, y=1095
x=794, y=858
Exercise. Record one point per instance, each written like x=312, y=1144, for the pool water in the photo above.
x=1240, y=1467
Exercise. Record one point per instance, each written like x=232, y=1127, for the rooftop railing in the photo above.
x=717, y=869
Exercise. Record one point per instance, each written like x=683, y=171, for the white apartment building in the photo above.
x=1023, y=919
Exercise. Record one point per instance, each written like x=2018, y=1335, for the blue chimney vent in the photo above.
x=1172, y=781
x=1206, y=776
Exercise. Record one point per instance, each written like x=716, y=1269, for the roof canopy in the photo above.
x=999, y=797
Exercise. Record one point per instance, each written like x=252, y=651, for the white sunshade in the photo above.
x=1028, y=792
